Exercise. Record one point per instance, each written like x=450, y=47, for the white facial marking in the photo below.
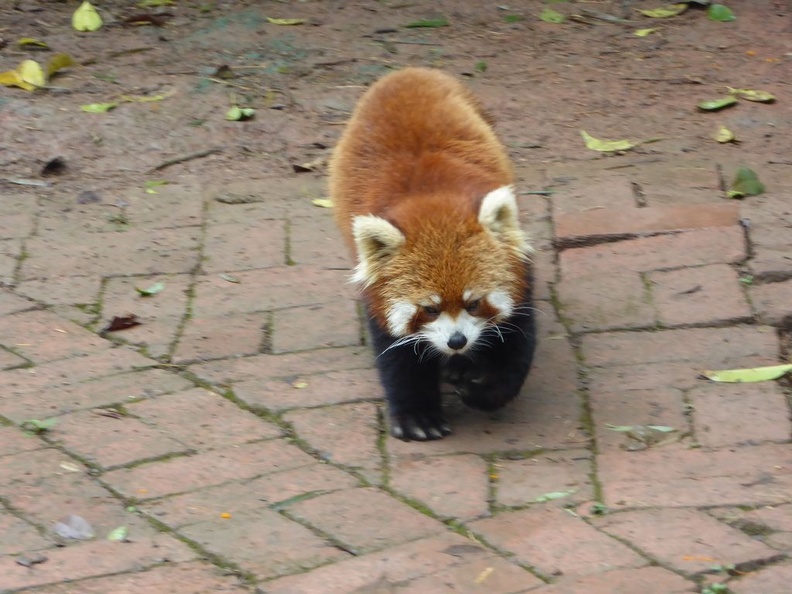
x=439, y=331
x=467, y=295
x=501, y=301
x=436, y=299
x=399, y=316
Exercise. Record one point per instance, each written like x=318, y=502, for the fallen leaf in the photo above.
x=122, y=323
x=230, y=279
x=752, y=95
x=553, y=496
x=31, y=72
x=98, y=107
x=427, y=24
x=54, y=166
x=716, y=104
x=151, y=185
x=746, y=183
x=152, y=290
x=664, y=12
x=11, y=78
x=70, y=467
x=73, y=527
x=148, y=98
x=118, y=534
x=286, y=22
x=750, y=375
x=724, y=135
x=236, y=113
x=480, y=578
x=86, y=18
x=322, y=202
x=480, y=67
x=300, y=384
x=606, y=146
x=58, y=62
x=29, y=42
x=645, y=32
x=512, y=18
x=721, y=13
x=38, y=426
x=154, y=3
x=548, y=15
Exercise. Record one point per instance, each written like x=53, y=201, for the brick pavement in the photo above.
x=237, y=433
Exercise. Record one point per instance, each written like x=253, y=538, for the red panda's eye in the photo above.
x=473, y=306
x=431, y=310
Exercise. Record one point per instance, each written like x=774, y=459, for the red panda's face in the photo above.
x=446, y=280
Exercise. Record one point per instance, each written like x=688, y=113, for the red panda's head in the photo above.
x=439, y=272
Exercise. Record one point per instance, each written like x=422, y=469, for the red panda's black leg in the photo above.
x=412, y=388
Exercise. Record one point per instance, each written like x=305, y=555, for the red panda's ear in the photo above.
x=377, y=241
x=498, y=214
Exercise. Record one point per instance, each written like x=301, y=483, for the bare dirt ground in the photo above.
x=236, y=435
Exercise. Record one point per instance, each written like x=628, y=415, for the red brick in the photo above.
x=9, y=360
x=545, y=271
x=364, y=519
x=288, y=366
x=161, y=314
x=555, y=543
x=773, y=302
x=183, y=578
x=14, y=441
x=334, y=387
x=689, y=541
x=768, y=580
x=19, y=536
x=267, y=289
x=174, y=205
x=133, y=251
x=520, y=482
x=718, y=245
x=709, y=348
x=259, y=493
x=771, y=525
x=676, y=476
x=593, y=192
x=30, y=467
x=771, y=259
x=42, y=336
x=609, y=223
x=266, y=198
x=206, y=469
x=308, y=327
x=63, y=290
x=653, y=406
x=484, y=576
x=16, y=225
x=618, y=299
x=343, y=434
x=702, y=295
x=11, y=303
x=121, y=388
x=264, y=543
x=242, y=246
x=316, y=240
x=202, y=419
x=451, y=486
x=109, y=441
x=91, y=559
x=647, y=580
x=649, y=376
x=10, y=254
x=396, y=565
x=731, y=414
x=232, y=335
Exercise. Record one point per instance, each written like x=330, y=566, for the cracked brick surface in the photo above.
x=238, y=432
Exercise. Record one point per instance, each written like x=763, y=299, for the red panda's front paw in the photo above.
x=419, y=426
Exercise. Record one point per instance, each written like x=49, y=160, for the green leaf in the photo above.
x=98, y=107
x=548, y=15
x=236, y=113
x=152, y=290
x=716, y=104
x=645, y=32
x=480, y=67
x=118, y=534
x=427, y=24
x=746, y=183
x=606, y=146
x=86, y=18
x=724, y=135
x=150, y=186
x=512, y=18
x=720, y=13
x=553, y=495
x=37, y=425
x=661, y=428
x=30, y=42
x=755, y=374
x=620, y=428
x=752, y=95
x=665, y=12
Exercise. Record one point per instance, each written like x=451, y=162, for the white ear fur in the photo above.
x=376, y=240
x=498, y=214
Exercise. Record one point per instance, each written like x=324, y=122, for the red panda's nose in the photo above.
x=457, y=341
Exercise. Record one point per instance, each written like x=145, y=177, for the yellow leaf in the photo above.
x=322, y=202
x=645, y=32
x=86, y=18
x=285, y=21
x=12, y=79
x=58, y=62
x=148, y=98
x=664, y=12
x=756, y=374
x=98, y=107
x=606, y=146
x=30, y=71
x=752, y=95
x=724, y=135
x=30, y=42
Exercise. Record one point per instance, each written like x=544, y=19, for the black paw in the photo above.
x=420, y=426
x=484, y=391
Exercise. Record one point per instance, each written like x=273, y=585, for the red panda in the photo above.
x=422, y=194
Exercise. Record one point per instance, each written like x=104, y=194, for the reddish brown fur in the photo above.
x=419, y=153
